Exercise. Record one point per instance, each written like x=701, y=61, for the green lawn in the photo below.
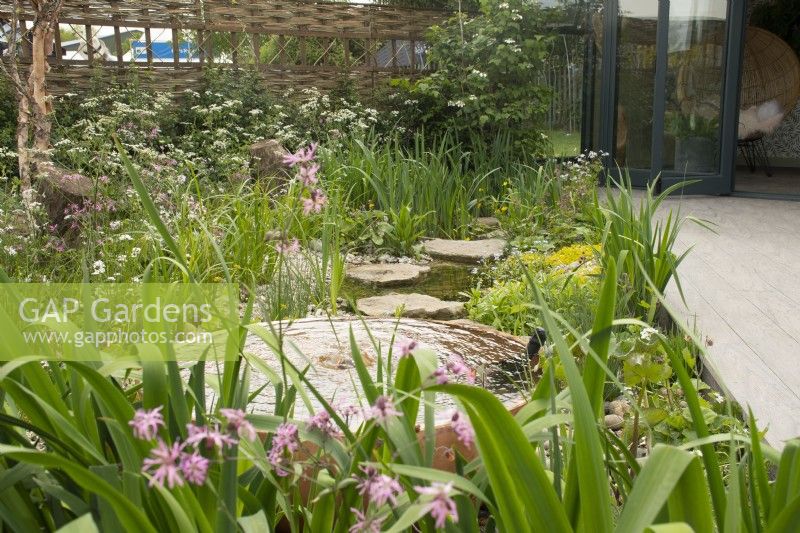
x=564, y=144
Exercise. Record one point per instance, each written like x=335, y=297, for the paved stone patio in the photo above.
x=742, y=289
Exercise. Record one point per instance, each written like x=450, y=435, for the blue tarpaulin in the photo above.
x=161, y=50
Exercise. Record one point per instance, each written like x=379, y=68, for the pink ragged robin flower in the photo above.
x=315, y=202
x=303, y=155
x=378, y=488
x=404, y=347
x=441, y=506
x=194, y=468
x=462, y=428
x=322, y=422
x=291, y=247
x=308, y=174
x=210, y=437
x=382, y=409
x=457, y=367
x=440, y=376
x=238, y=423
x=365, y=524
x=163, y=466
x=145, y=423
x=285, y=442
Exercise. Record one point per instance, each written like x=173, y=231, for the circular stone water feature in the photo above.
x=324, y=345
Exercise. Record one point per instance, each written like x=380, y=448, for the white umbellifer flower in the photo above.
x=135, y=251
x=456, y=103
x=99, y=268
x=115, y=225
x=255, y=112
x=647, y=334
x=510, y=41
x=10, y=250
x=504, y=5
x=125, y=237
x=121, y=258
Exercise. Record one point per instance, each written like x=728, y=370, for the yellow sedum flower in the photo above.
x=571, y=254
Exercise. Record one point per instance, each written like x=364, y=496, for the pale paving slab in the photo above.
x=465, y=251
x=742, y=289
x=387, y=274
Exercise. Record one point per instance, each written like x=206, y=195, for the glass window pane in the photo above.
x=695, y=81
x=636, y=66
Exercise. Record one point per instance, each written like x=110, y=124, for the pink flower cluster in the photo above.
x=462, y=428
x=291, y=247
x=145, y=423
x=285, y=442
x=382, y=409
x=405, y=346
x=456, y=368
x=381, y=489
x=378, y=488
x=173, y=464
x=322, y=422
x=441, y=505
x=307, y=170
x=366, y=524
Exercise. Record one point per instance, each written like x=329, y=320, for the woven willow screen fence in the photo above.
x=167, y=44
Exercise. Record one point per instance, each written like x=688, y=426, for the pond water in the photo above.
x=323, y=345
x=446, y=281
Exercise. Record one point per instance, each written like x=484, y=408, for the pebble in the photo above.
x=614, y=421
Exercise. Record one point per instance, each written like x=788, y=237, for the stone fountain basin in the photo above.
x=323, y=345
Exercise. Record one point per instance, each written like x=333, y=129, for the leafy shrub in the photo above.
x=8, y=121
x=485, y=81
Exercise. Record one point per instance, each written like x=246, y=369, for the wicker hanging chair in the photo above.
x=771, y=71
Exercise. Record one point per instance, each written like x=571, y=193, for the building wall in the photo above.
x=784, y=145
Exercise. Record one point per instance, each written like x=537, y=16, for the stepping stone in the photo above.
x=414, y=306
x=489, y=222
x=387, y=275
x=465, y=251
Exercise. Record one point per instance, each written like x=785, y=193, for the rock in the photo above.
x=413, y=305
x=619, y=408
x=465, y=251
x=266, y=160
x=383, y=275
x=614, y=421
x=489, y=222
x=60, y=189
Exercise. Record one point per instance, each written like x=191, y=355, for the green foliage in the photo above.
x=485, y=80
x=91, y=459
x=8, y=121
x=435, y=185
x=567, y=281
x=682, y=126
x=641, y=242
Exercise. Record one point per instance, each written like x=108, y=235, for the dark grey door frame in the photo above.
x=720, y=183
